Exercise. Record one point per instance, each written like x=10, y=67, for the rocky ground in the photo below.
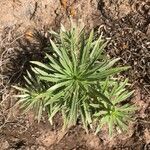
x=24, y=36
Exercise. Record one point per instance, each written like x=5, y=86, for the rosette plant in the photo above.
x=74, y=73
x=115, y=116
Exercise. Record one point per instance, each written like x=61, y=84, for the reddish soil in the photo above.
x=24, y=36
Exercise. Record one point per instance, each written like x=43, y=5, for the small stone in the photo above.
x=41, y=148
x=33, y=147
x=5, y=145
x=47, y=138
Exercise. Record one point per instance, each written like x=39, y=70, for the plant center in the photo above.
x=75, y=77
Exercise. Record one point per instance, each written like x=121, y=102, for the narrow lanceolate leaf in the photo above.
x=83, y=118
x=106, y=73
x=49, y=78
x=27, y=80
x=96, y=48
x=75, y=61
x=29, y=106
x=98, y=53
x=56, y=109
x=86, y=50
x=95, y=105
x=41, y=72
x=54, y=33
x=123, y=97
x=29, y=75
x=89, y=72
x=56, y=66
x=67, y=59
x=100, y=113
x=56, y=49
x=104, y=120
x=21, y=96
x=41, y=65
x=110, y=64
x=55, y=98
x=63, y=28
x=73, y=111
x=127, y=108
x=87, y=113
x=101, y=95
x=66, y=67
x=110, y=124
x=121, y=124
x=40, y=112
x=106, y=85
x=122, y=85
x=97, y=129
x=58, y=85
x=20, y=89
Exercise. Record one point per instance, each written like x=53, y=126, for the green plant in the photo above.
x=33, y=95
x=116, y=115
x=76, y=78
